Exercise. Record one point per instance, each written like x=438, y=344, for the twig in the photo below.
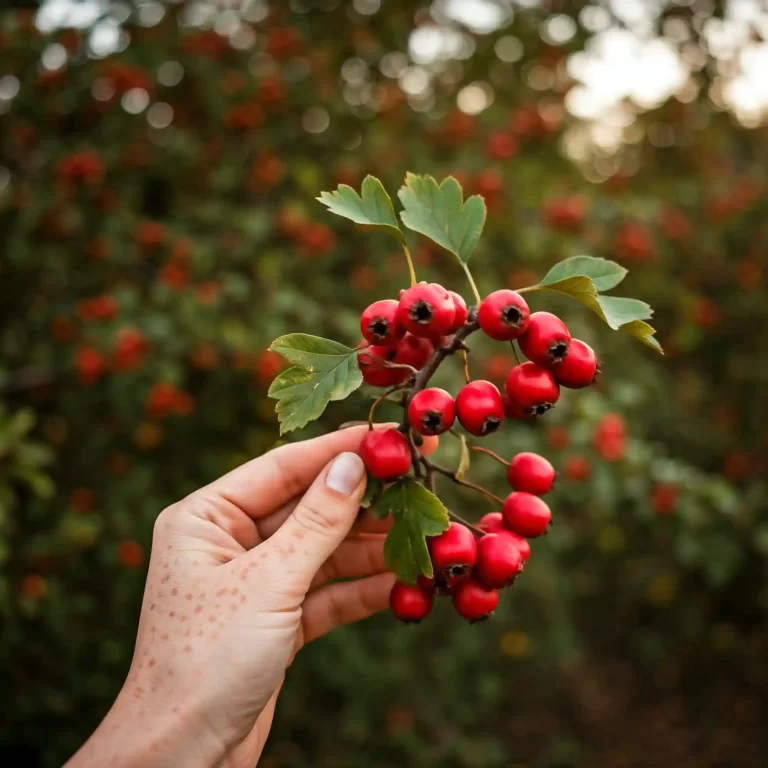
x=415, y=455
x=401, y=367
x=378, y=401
x=467, y=377
x=477, y=531
x=490, y=453
x=514, y=350
x=465, y=483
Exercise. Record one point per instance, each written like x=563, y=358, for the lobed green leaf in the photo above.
x=604, y=274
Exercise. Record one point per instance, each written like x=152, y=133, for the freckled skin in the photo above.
x=230, y=598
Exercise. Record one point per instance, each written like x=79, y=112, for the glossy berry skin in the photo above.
x=499, y=561
x=526, y=515
x=493, y=522
x=513, y=411
x=410, y=604
x=531, y=473
x=379, y=324
x=580, y=367
x=453, y=552
x=504, y=315
x=546, y=340
x=386, y=453
x=479, y=408
x=461, y=313
x=372, y=365
x=413, y=351
x=474, y=601
x=432, y=411
x=532, y=388
x=426, y=310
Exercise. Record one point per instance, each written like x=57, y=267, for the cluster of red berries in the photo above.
x=473, y=566
x=401, y=338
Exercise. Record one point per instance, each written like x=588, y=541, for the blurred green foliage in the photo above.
x=158, y=229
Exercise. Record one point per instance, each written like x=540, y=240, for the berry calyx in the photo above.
x=461, y=313
x=432, y=411
x=504, y=315
x=386, y=453
x=532, y=388
x=474, y=601
x=426, y=310
x=493, y=522
x=410, y=604
x=379, y=323
x=579, y=368
x=499, y=561
x=546, y=340
x=372, y=361
x=525, y=514
x=479, y=408
x=453, y=552
x=413, y=351
x=531, y=473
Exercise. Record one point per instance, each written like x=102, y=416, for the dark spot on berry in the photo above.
x=379, y=328
x=511, y=316
x=558, y=351
x=421, y=312
x=432, y=421
x=491, y=424
x=540, y=410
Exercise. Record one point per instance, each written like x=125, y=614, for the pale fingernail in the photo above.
x=345, y=473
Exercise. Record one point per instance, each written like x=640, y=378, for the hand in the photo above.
x=238, y=582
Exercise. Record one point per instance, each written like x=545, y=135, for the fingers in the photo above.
x=320, y=521
x=367, y=523
x=263, y=484
x=345, y=603
x=353, y=559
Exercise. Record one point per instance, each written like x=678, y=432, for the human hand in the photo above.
x=237, y=584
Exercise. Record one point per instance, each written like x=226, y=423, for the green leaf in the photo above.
x=418, y=514
x=464, y=460
x=322, y=371
x=373, y=490
x=580, y=288
x=603, y=273
x=373, y=208
x=644, y=333
x=619, y=311
x=440, y=213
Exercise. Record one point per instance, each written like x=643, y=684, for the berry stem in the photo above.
x=528, y=289
x=400, y=367
x=411, y=270
x=465, y=356
x=490, y=453
x=465, y=483
x=379, y=400
x=472, y=285
x=514, y=350
x=457, y=519
x=415, y=455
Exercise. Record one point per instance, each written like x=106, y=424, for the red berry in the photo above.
x=479, y=408
x=532, y=388
x=546, y=340
x=498, y=560
x=664, y=499
x=380, y=325
x=426, y=310
x=372, y=365
x=531, y=473
x=474, y=601
x=579, y=367
x=410, y=604
x=504, y=315
x=425, y=582
x=414, y=351
x=577, y=469
x=453, y=552
x=432, y=411
x=526, y=514
x=493, y=522
x=386, y=453
x=513, y=411
x=461, y=313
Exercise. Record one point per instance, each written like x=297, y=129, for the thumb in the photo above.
x=321, y=520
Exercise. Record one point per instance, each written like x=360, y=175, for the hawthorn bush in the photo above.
x=158, y=230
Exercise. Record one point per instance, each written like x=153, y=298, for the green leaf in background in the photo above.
x=373, y=208
x=322, y=371
x=373, y=490
x=440, y=213
x=619, y=311
x=418, y=514
x=464, y=460
x=604, y=274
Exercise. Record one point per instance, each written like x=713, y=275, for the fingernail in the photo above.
x=345, y=473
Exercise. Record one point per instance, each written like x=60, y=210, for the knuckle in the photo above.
x=317, y=517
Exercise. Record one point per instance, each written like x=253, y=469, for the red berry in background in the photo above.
x=564, y=214
x=580, y=367
x=453, y=552
x=532, y=388
x=427, y=310
x=664, y=499
x=410, y=604
x=501, y=145
x=546, y=340
x=461, y=313
x=610, y=438
x=432, y=411
x=525, y=514
x=130, y=348
x=558, y=438
x=531, y=473
x=386, y=453
x=474, y=601
x=499, y=561
x=479, y=408
x=379, y=324
x=634, y=242
x=372, y=365
x=577, y=469
x=493, y=522
x=414, y=351
x=90, y=365
x=504, y=315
